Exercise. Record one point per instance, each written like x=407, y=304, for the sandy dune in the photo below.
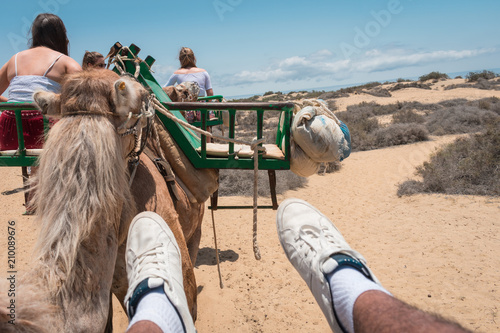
x=438, y=252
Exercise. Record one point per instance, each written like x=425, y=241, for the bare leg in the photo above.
x=375, y=311
x=346, y=290
x=145, y=326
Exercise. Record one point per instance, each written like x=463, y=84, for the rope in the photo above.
x=254, y=145
x=221, y=285
x=118, y=60
x=163, y=110
x=256, y=250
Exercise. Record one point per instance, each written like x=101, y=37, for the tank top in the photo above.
x=22, y=87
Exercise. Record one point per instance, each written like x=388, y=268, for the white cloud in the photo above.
x=294, y=68
x=376, y=60
x=323, y=65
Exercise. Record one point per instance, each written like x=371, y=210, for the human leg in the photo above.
x=378, y=312
x=337, y=275
x=155, y=297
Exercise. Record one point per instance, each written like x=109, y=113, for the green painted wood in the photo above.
x=20, y=159
x=189, y=142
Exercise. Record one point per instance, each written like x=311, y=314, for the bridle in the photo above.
x=134, y=125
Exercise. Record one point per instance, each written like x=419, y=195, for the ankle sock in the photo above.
x=346, y=285
x=157, y=308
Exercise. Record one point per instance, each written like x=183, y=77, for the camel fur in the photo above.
x=85, y=205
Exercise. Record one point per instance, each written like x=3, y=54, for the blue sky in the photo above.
x=253, y=46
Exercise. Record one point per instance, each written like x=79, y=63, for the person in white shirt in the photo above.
x=188, y=72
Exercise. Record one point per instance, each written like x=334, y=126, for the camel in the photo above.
x=183, y=92
x=84, y=205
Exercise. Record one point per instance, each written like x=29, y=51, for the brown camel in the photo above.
x=85, y=205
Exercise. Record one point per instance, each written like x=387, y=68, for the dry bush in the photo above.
x=331, y=105
x=406, y=116
x=467, y=166
x=378, y=92
x=333, y=94
x=434, y=76
x=329, y=167
x=400, y=134
x=369, y=109
x=459, y=119
x=479, y=83
x=453, y=102
x=487, y=84
x=365, y=130
x=476, y=76
x=410, y=187
x=240, y=182
x=413, y=84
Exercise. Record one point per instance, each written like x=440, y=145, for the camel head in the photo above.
x=183, y=92
x=96, y=92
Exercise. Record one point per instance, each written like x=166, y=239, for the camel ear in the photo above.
x=128, y=96
x=49, y=103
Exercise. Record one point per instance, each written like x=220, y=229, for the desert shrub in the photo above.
x=453, y=102
x=378, y=92
x=240, y=182
x=331, y=105
x=344, y=92
x=467, y=166
x=329, y=167
x=489, y=103
x=484, y=104
x=487, y=84
x=248, y=99
x=267, y=93
x=332, y=94
x=400, y=134
x=312, y=94
x=403, y=80
x=410, y=187
x=475, y=76
x=459, y=119
x=360, y=126
x=406, y=116
x=434, y=76
x=369, y=109
x=456, y=86
x=412, y=84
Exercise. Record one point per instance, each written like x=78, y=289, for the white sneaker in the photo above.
x=153, y=260
x=316, y=248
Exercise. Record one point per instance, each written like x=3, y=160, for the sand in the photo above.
x=437, y=252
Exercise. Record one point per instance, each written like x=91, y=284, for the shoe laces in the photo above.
x=311, y=239
x=148, y=261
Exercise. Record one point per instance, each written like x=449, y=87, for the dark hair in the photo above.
x=187, y=58
x=48, y=30
x=90, y=58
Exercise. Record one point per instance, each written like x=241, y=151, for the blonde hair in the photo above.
x=187, y=58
